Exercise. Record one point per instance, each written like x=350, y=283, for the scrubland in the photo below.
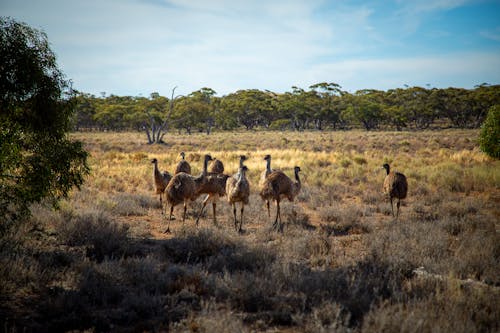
x=101, y=262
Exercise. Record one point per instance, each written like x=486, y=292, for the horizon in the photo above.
x=137, y=47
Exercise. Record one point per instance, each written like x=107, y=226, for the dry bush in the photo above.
x=343, y=263
x=217, y=251
x=436, y=306
x=341, y=220
x=211, y=318
x=95, y=230
x=327, y=317
x=294, y=216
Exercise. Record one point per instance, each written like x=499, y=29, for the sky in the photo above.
x=136, y=47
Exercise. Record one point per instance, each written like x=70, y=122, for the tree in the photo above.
x=365, y=108
x=489, y=137
x=158, y=112
x=37, y=159
x=85, y=110
x=249, y=108
x=293, y=105
x=330, y=105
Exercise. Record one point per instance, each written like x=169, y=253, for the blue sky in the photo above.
x=135, y=47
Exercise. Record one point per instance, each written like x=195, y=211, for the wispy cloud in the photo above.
x=420, y=6
x=411, y=14
x=491, y=34
x=139, y=46
x=455, y=69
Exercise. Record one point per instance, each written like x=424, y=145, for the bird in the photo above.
x=238, y=190
x=216, y=166
x=263, y=177
x=183, y=165
x=184, y=187
x=161, y=180
x=215, y=187
x=277, y=186
x=395, y=186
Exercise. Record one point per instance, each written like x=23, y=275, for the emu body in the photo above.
x=278, y=186
x=395, y=187
x=183, y=188
x=238, y=190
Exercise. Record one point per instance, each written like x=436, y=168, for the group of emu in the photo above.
x=274, y=185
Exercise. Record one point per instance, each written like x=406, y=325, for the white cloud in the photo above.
x=493, y=34
x=129, y=47
x=458, y=70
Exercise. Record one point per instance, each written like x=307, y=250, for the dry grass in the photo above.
x=342, y=263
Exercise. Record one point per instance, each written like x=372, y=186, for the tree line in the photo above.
x=323, y=106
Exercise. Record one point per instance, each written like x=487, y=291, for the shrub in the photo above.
x=489, y=138
x=94, y=229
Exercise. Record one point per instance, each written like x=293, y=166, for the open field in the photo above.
x=343, y=263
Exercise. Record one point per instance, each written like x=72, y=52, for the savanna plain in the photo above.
x=343, y=263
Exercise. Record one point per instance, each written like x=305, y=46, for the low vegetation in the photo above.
x=101, y=262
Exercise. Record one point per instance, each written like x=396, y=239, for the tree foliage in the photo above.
x=489, y=138
x=322, y=106
x=37, y=159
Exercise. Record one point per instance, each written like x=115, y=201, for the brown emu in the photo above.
x=216, y=166
x=395, y=186
x=238, y=190
x=184, y=187
x=277, y=186
x=263, y=177
x=161, y=180
x=215, y=187
x=183, y=165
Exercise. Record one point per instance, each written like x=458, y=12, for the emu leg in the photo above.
x=169, y=219
x=214, y=208
x=185, y=210
x=397, y=211
x=161, y=204
x=392, y=208
x=202, y=208
x=241, y=217
x=234, y=215
x=201, y=212
x=276, y=223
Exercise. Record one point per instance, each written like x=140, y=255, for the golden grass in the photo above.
x=343, y=263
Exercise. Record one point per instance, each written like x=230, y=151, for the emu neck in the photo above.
x=268, y=165
x=297, y=177
x=388, y=169
x=241, y=174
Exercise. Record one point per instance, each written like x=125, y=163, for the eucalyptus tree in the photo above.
x=85, y=109
x=249, y=108
x=37, y=158
x=365, y=108
x=293, y=106
x=331, y=104
x=157, y=115
x=455, y=104
x=115, y=112
x=484, y=96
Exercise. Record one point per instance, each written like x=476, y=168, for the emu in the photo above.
x=216, y=166
x=277, y=186
x=161, y=180
x=395, y=186
x=184, y=187
x=215, y=187
x=238, y=190
x=263, y=177
x=183, y=165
